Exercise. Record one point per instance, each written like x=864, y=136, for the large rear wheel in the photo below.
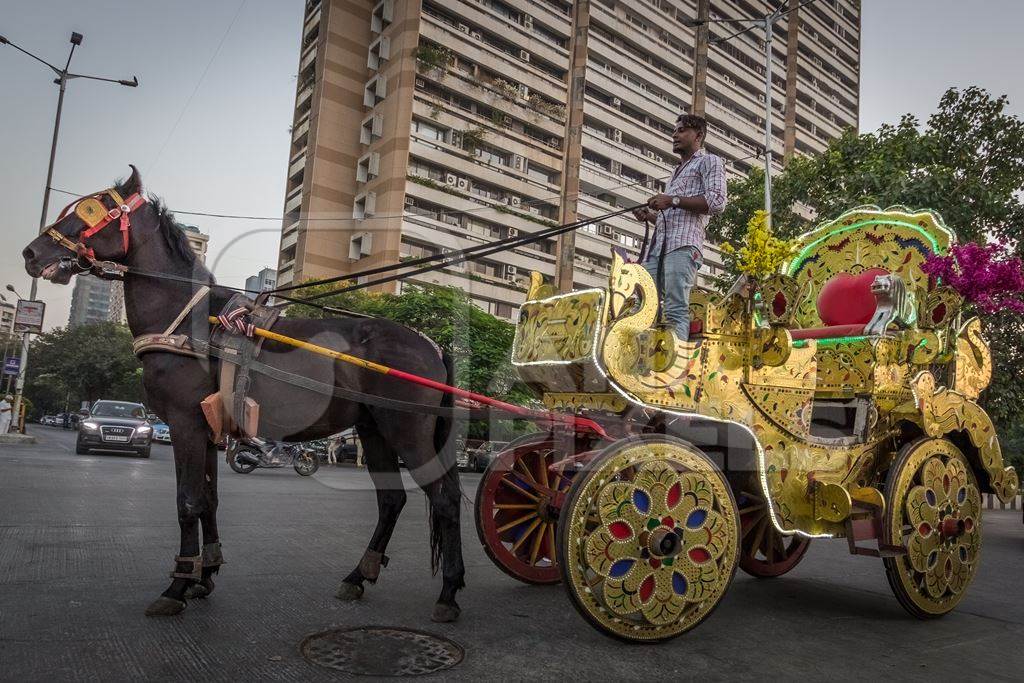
x=765, y=551
x=648, y=539
x=933, y=509
x=516, y=509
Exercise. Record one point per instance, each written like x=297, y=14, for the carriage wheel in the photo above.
x=648, y=539
x=765, y=552
x=933, y=509
x=515, y=511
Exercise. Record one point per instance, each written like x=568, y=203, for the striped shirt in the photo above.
x=702, y=175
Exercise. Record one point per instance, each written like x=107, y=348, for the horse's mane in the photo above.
x=170, y=229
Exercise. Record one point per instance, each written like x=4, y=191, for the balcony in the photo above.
x=294, y=200
x=297, y=167
x=308, y=57
x=312, y=22
x=289, y=240
x=300, y=130
x=304, y=96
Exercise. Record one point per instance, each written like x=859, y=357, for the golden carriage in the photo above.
x=836, y=399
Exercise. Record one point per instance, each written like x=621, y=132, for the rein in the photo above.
x=96, y=216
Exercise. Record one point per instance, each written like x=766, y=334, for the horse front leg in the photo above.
x=212, y=556
x=190, y=468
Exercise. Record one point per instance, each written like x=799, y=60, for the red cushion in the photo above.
x=847, y=299
x=828, y=332
x=696, y=327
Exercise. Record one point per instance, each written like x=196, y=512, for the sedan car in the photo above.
x=161, y=432
x=115, y=426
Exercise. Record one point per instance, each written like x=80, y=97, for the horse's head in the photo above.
x=89, y=229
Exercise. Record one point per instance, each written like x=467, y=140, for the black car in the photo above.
x=115, y=426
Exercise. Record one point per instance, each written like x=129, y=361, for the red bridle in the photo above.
x=96, y=217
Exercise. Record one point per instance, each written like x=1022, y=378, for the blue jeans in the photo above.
x=681, y=266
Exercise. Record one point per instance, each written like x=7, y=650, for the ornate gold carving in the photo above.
x=973, y=360
x=831, y=502
x=943, y=411
x=846, y=368
x=559, y=329
x=771, y=346
x=571, y=402
x=780, y=297
x=938, y=308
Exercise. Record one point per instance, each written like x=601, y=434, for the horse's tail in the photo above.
x=448, y=485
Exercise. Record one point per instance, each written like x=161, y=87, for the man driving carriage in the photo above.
x=696, y=192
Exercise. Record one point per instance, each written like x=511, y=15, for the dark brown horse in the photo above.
x=150, y=241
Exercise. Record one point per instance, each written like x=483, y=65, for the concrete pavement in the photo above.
x=87, y=541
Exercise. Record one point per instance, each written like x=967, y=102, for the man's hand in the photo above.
x=660, y=202
x=644, y=214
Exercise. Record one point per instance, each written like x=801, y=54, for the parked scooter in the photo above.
x=245, y=455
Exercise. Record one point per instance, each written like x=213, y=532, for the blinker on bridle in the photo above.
x=96, y=216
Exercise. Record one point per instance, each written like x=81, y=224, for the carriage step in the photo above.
x=865, y=524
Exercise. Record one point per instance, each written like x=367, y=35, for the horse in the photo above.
x=151, y=242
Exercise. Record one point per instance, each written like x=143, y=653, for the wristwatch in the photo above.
x=676, y=200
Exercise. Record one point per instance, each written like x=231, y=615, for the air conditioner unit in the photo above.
x=534, y=210
x=447, y=250
x=477, y=35
x=457, y=138
x=606, y=231
x=528, y=23
x=512, y=232
x=420, y=83
x=524, y=92
x=463, y=28
x=451, y=179
x=616, y=102
x=518, y=162
x=516, y=201
x=507, y=200
x=409, y=201
x=511, y=271
x=553, y=142
x=524, y=55
x=617, y=135
x=463, y=184
x=649, y=154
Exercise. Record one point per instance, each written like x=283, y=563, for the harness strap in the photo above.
x=200, y=293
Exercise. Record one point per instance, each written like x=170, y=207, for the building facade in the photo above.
x=261, y=281
x=453, y=133
x=7, y=311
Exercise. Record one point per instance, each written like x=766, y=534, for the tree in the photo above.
x=967, y=163
x=479, y=343
x=86, y=363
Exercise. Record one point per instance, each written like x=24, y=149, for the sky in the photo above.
x=208, y=124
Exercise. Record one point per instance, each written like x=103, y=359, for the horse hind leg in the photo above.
x=382, y=463
x=445, y=498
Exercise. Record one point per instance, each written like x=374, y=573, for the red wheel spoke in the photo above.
x=535, y=550
x=542, y=463
x=514, y=506
x=517, y=522
x=526, y=534
x=519, y=489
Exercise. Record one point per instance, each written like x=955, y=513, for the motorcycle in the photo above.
x=245, y=455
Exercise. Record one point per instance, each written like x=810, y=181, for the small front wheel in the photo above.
x=933, y=510
x=306, y=463
x=648, y=539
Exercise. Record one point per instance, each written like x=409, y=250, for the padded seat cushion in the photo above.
x=847, y=299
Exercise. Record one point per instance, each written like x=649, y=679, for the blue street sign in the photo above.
x=12, y=365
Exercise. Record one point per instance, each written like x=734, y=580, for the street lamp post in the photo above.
x=63, y=76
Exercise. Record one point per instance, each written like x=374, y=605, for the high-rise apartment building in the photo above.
x=424, y=126
x=7, y=311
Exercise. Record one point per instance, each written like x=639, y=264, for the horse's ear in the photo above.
x=134, y=184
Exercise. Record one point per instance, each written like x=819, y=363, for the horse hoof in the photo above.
x=349, y=591
x=165, y=607
x=198, y=591
x=445, y=613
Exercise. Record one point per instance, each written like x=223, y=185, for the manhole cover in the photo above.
x=381, y=651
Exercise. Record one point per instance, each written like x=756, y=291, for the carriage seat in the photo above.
x=848, y=305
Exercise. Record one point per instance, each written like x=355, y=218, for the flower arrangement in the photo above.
x=762, y=254
x=984, y=275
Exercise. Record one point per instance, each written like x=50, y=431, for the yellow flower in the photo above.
x=762, y=253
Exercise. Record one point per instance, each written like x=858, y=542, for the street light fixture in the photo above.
x=63, y=76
